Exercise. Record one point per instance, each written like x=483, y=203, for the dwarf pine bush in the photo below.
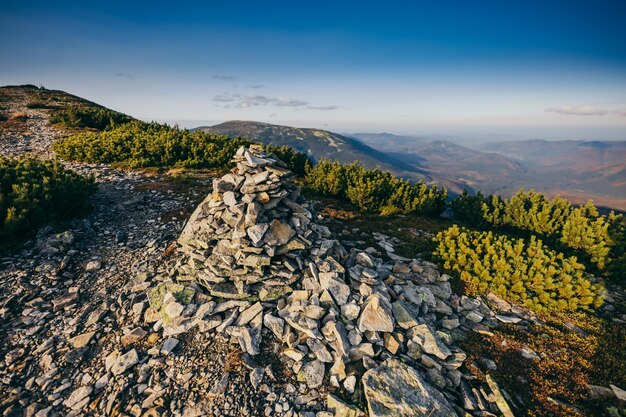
x=139, y=144
x=523, y=271
x=374, y=190
x=88, y=117
x=616, y=269
x=34, y=192
x=557, y=220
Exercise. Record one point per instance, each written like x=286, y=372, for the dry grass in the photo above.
x=335, y=213
x=233, y=362
x=592, y=352
x=19, y=116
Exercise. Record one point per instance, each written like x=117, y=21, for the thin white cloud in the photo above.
x=324, y=107
x=578, y=111
x=255, y=86
x=240, y=101
x=225, y=98
x=621, y=112
x=223, y=77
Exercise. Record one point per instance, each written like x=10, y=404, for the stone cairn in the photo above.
x=344, y=316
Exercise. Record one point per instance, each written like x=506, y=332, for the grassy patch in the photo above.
x=413, y=232
x=179, y=180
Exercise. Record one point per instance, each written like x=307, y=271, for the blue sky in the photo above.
x=551, y=69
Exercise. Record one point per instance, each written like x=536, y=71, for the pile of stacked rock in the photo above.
x=344, y=317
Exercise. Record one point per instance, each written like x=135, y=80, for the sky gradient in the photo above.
x=529, y=69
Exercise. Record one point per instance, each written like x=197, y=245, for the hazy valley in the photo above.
x=576, y=170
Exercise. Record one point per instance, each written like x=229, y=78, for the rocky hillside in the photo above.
x=231, y=295
x=99, y=317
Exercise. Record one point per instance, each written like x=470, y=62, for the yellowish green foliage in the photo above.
x=617, y=230
x=523, y=271
x=556, y=220
x=374, y=191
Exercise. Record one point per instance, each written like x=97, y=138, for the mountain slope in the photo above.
x=489, y=172
x=322, y=144
x=317, y=143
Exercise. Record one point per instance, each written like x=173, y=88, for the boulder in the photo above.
x=395, y=389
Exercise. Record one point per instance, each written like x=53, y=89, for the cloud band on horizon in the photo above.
x=578, y=111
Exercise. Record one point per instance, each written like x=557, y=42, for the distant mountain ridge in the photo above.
x=577, y=170
x=324, y=144
x=315, y=142
x=478, y=170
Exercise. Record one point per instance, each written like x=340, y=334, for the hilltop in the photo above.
x=209, y=279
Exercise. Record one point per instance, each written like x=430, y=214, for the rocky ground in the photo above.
x=100, y=315
x=27, y=131
x=74, y=292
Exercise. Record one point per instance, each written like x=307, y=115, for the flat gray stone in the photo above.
x=279, y=233
x=376, y=315
x=124, y=362
x=395, y=389
x=169, y=345
x=430, y=341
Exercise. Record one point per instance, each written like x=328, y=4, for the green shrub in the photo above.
x=616, y=270
x=523, y=271
x=327, y=178
x=469, y=208
x=34, y=192
x=581, y=229
x=138, y=144
x=369, y=190
x=374, y=191
x=88, y=117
